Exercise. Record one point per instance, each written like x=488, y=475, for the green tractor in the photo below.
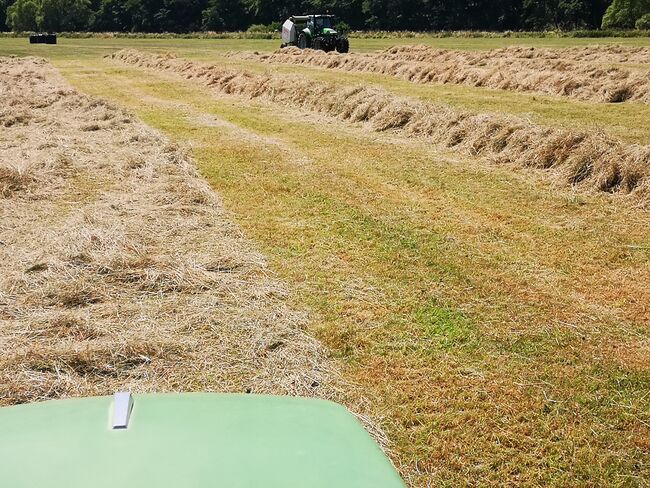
x=315, y=32
x=197, y=440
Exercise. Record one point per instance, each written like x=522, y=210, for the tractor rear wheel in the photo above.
x=303, y=42
x=343, y=45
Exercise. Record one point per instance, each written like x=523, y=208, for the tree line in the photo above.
x=232, y=15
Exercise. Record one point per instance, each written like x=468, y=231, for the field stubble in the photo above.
x=120, y=268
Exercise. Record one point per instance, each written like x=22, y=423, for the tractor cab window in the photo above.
x=323, y=22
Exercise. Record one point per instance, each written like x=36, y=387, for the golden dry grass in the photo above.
x=595, y=54
x=612, y=53
x=119, y=268
x=582, y=159
x=517, y=69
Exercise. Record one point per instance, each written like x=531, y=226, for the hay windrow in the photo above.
x=601, y=53
x=120, y=270
x=565, y=73
x=597, y=54
x=586, y=160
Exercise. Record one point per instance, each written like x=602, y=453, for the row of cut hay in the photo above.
x=598, y=54
x=421, y=64
x=616, y=54
x=583, y=159
x=119, y=268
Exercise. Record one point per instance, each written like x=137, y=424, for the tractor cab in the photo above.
x=319, y=23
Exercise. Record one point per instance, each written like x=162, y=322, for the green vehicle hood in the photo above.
x=328, y=31
x=193, y=440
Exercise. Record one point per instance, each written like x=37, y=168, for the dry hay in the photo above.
x=597, y=54
x=514, y=69
x=119, y=269
x=582, y=159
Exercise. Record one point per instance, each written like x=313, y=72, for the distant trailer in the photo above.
x=42, y=39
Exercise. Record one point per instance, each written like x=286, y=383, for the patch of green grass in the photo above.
x=445, y=327
x=68, y=48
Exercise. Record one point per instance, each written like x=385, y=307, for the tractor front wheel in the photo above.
x=303, y=42
x=343, y=45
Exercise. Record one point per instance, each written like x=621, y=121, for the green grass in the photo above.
x=202, y=48
x=495, y=322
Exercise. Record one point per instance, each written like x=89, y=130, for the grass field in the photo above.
x=497, y=322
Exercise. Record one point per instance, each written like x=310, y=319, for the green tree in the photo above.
x=129, y=15
x=348, y=11
x=141, y=15
x=643, y=22
x=573, y=14
x=111, y=15
x=63, y=15
x=405, y=14
x=188, y=15
x=267, y=11
x=4, y=5
x=624, y=13
x=180, y=15
x=149, y=15
x=21, y=16
x=224, y=15
x=213, y=17
x=563, y=14
x=488, y=14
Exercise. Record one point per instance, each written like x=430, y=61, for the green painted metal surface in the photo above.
x=194, y=440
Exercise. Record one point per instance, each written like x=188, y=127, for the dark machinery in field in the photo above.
x=315, y=32
x=42, y=39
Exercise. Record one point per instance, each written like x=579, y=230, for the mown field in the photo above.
x=476, y=260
